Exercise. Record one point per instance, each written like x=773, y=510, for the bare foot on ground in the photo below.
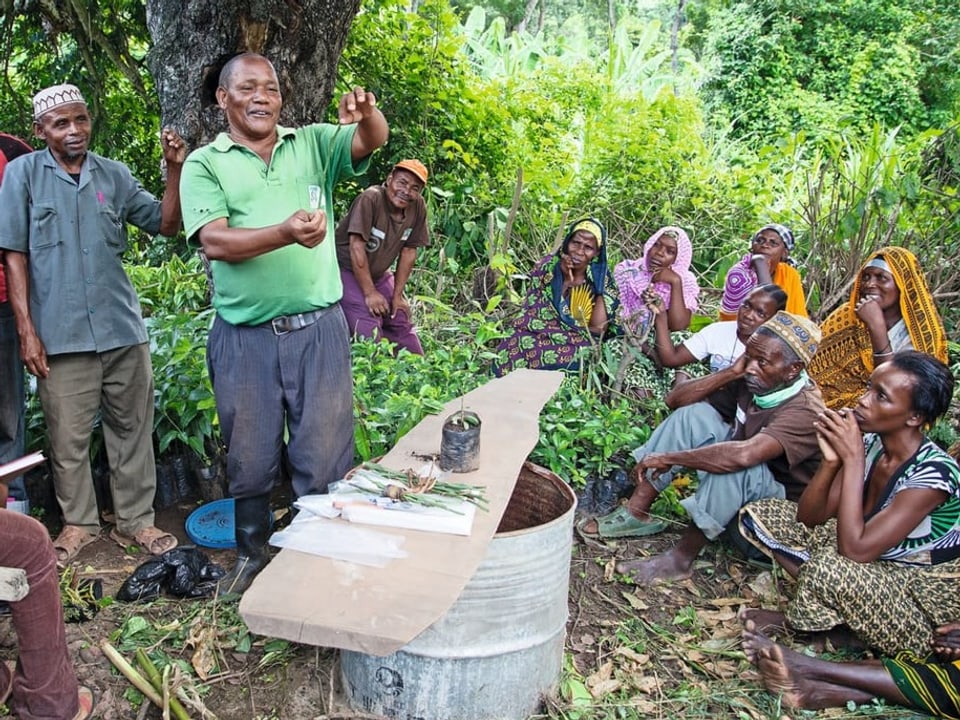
x=753, y=639
x=783, y=674
x=799, y=680
x=764, y=620
x=665, y=566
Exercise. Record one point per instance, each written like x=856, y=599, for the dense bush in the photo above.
x=781, y=66
x=797, y=125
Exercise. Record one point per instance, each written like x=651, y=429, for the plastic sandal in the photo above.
x=71, y=540
x=620, y=523
x=152, y=539
x=86, y=703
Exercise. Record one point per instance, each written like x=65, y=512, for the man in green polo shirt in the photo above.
x=258, y=199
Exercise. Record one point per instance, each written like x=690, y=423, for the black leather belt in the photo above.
x=288, y=323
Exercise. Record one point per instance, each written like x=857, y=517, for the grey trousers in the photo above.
x=299, y=383
x=719, y=497
x=119, y=384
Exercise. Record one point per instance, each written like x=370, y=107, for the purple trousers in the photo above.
x=44, y=684
x=398, y=330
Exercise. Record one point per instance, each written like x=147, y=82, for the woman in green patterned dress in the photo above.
x=874, y=540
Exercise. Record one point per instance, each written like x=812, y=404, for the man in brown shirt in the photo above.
x=386, y=224
x=746, y=430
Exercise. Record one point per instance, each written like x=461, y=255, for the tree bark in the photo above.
x=192, y=40
x=675, y=43
x=675, y=37
x=528, y=15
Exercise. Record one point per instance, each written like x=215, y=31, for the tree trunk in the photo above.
x=527, y=15
x=675, y=41
x=192, y=40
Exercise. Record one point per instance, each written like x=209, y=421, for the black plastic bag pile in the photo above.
x=602, y=494
x=183, y=572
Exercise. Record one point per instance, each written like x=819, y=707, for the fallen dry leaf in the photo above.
x=645, y=708
x=765, y=588
x=724, y=633
x=748, y=705
x=711, y=617
x=204, y=659
x=604, y=687
x=602, y=674
x=725, y=669
x=631, y=654
x=726, y=602
x=609, y=570
x=635, y=602
x=648, y=684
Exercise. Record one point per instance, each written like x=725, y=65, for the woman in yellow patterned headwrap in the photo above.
x=568, y=307
x=890, y=309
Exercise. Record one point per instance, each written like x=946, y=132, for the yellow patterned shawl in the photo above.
x=844, y=360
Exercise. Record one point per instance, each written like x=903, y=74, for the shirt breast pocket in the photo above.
x=112, y=227
x=310, y=193
x=43, y=226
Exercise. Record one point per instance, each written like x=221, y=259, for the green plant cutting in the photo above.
x=410, y=486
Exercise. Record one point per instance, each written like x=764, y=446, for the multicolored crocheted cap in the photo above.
x=800, y=333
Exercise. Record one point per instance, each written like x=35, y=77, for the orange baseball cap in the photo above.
x=414, y=166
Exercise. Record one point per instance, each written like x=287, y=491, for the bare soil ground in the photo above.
x=666, y=651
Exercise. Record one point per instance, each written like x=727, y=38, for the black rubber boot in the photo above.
x=252, y=520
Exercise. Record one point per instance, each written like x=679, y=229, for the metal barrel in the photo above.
x=499, y=648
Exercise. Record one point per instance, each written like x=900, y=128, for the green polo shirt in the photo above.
x=227, y=180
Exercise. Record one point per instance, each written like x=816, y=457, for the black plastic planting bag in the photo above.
x=183, y=572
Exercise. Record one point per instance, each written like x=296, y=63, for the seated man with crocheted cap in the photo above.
x=744, y=429
x=386, y=224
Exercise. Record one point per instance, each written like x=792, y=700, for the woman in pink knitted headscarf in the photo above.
x=660, y=281
x=664, y=272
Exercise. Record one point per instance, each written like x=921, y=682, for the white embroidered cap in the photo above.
x=53, y=97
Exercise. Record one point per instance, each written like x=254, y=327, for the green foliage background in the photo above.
x=836, y=118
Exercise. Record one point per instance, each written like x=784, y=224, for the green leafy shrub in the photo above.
x=580, y=432
x=393, y=394
x=173, y=297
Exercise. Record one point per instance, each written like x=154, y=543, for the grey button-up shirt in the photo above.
x=81, y=299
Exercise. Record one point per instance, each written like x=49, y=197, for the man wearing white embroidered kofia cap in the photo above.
x=66, y=211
